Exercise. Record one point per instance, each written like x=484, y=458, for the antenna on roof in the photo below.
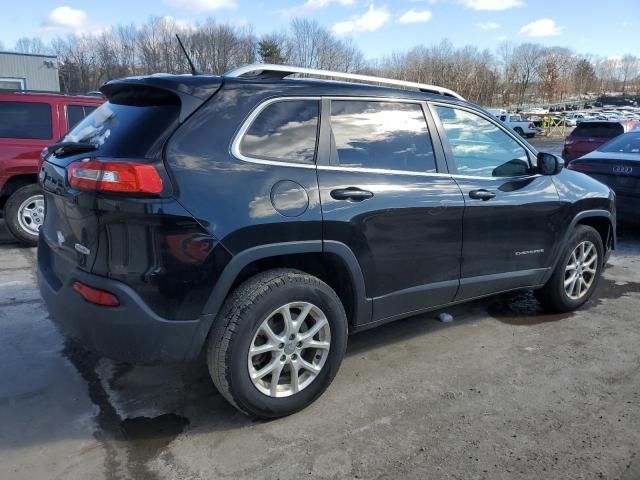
x=193, y=67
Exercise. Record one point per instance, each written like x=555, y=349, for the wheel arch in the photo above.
x=603, y=221
x=14, y=183
x=332, y=262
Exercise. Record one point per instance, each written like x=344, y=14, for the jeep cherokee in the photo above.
x=260, y=219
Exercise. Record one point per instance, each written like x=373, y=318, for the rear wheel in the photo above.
x=519, y=131
x=576, y=275
x=278, y=343
x=24, y=214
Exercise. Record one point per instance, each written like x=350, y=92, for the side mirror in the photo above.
x=549, y=164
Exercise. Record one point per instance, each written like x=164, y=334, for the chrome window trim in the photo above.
x=383, y=171
x=235, y=144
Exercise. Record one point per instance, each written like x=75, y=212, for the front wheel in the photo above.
x=577, y=273
x=277, y=343
x=24, y=214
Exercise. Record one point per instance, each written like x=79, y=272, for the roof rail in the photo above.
x=282, y=71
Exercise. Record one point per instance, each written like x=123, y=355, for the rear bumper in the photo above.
x=130, y=333
x=628, y=208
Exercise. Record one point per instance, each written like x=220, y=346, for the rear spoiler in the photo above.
x=192, y=91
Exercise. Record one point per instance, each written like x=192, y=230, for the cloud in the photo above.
x=65, y=18
x=313, y=5
x=415, y=16
x=492, y=4
x=202, y=5
x=488, y=25
x=370, y=21
x=545, y=27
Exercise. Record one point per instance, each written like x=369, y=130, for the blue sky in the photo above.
x=605, y=28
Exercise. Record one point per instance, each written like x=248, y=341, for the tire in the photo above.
x=553, y=295
x=25, y=230
x=519, y=131
x=240, y=326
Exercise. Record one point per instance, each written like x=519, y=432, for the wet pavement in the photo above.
x=505, y=391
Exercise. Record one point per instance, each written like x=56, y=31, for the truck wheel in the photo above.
x=277, y=343
x=577, y=273
x=24, y=214
x=519, y=131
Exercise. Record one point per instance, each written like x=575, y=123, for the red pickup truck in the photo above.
x=29, y=122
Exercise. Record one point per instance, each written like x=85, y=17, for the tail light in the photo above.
x=568, y=141
x=580, y=167
x=532, y=125
x=95, y=295
x=114, y=176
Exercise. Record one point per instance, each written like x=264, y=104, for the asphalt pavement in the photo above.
x=505, y=391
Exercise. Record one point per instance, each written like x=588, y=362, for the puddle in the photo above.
x=521, y=309
x=148, y=436
x=524, y=309
x=128, y=443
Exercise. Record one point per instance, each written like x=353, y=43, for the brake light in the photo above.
x=532, y=125
x=95, y=295
x=109, y=176
x=580, y=167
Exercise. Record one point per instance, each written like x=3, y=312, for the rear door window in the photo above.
x=381, y=135
x=25, y=120
x=77, y=113
x=284, y=131
x=598, y=130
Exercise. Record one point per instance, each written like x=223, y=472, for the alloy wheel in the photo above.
x=580, y=272
x=289, y=349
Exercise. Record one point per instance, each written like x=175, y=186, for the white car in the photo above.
x=523, y=127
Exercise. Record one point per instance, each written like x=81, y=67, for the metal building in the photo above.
x=26, y=71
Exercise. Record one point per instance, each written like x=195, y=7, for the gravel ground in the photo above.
x=505, y=391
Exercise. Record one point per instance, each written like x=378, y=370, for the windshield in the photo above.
x=120, y=130
x=627, y=143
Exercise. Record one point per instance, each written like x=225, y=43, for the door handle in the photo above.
x=481, y=194
x=351, y=193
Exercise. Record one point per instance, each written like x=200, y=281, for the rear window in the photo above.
x=598, y=130
x=284, y=131
x=132, y=128
x=627, y=143
x=25, y=120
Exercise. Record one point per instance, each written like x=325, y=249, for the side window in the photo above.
x=480, y=148
x=77, y=113
x=377, y=134
x=26, y=120
x=284, y=131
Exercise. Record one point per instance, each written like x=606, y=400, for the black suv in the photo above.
x=260, y=220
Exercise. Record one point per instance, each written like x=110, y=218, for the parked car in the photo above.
x=617, y=164
x=260, y=220
x=523, y=127
x=29, y=122
x=589, y=135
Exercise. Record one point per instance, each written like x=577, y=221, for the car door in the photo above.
x=511, y=211
x=386, y=195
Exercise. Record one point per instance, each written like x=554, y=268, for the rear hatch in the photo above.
x=109, y=162
x=588, y=136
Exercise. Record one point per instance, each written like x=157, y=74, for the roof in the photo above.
x=20, y=54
